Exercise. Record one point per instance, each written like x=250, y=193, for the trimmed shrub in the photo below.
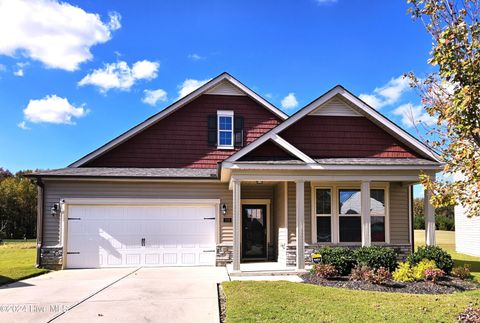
x=403, y=273
x=375, y=276
x=418, y=271
x=376, y=257
x=442, y=259
x=325, y=271
x=445, y=223
x=341, y=258
x=434, y=274
x=462, y=272
x=419, y=222
x=380, y=276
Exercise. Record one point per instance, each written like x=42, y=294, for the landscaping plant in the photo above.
x=470, y=315
x=325, y=271
x=359, y=273
x=442, y=259
x=376, y=257
x=341, y=258
x=418, y=271
x=434, y=274
x=462, y=272
x=403, y=273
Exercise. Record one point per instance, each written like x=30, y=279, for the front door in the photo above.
x=254, y=231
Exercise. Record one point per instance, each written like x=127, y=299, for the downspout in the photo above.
x=40, y=210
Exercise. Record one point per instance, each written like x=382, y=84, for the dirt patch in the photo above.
x=445, y=286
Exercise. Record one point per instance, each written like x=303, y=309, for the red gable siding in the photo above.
x=180, y=140
x=337, y=137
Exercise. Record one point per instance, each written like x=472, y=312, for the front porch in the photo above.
x=295, y=225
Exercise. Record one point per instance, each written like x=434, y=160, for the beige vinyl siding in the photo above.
x=467, y=232
x=57, y=190
x=399, y=222
x=257, y=191
x=292, y=213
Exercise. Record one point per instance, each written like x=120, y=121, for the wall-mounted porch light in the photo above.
x=224, y=209
x=54, y=210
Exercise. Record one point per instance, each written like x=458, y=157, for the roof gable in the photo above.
x=223, y=84
x=355, y=104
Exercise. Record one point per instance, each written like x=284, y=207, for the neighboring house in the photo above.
x=467, y=232
x=222, y=176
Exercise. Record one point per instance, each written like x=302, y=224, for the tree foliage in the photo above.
x=18, y=202
x=452, y=95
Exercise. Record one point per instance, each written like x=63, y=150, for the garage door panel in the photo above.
x=107, y=236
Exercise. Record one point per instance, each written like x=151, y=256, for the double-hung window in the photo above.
x=323, y=214
x=350, y=219
x=225, y=129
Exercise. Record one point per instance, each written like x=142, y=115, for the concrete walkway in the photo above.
x=122, y=295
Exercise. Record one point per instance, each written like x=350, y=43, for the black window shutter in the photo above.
x=212, y=130
x=238, y=131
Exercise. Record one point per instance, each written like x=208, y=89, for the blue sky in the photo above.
x=69, y=82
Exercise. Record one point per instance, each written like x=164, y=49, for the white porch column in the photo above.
x=300, y=214
x=237, y=224
x=366, y=219
x=429, y=212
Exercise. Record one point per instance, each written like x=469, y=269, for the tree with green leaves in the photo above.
x=452, y=95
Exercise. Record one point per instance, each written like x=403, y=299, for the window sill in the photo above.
x=225, y=147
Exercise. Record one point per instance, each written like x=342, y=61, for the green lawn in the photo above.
x=446, y=240
x=17, y=261
x=254, y=301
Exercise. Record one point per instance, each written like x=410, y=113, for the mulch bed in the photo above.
x=445, y=286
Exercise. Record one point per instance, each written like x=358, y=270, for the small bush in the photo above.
x=325, y=271
x=375, y=276
x=434, y=274
x=403, y=273
x=444, y=223
x=419, y=222
x=341, y=258
x=418, y=271
x=376, y=257
x=442, y=259
x=359, y=273
x=462, y=272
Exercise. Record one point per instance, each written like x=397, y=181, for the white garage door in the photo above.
x=120, y=236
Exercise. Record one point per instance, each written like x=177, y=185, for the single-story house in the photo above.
x=223, y=176
x=467, y=232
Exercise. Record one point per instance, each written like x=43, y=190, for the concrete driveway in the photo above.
x=170, y=294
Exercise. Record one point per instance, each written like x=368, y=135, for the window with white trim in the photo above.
x=323, y=214
x=350, y=219
x=225, y=137
x=337, y=214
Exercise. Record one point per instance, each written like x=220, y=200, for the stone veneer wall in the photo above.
x=51, y=257
x=402, y=250
x=224, y=255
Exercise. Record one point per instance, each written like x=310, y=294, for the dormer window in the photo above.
x=225, y=133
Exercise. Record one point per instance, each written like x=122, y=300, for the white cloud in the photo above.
x=151, y=97
x=57, y=34
x=3, y=68
x=289, y=102
x=388, y=94
x=120, y=76
x=195, y=57
x=52, y=109
x=414, y=114
x=23, y=125
x=189, y=85
x=20, y=69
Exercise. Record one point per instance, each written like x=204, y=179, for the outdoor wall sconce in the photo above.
x=224, y=209
x=54, y=209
